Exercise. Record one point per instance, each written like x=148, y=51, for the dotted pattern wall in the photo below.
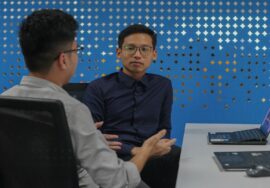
x=216, y=52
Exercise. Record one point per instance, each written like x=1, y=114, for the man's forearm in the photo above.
x=135, y=150
x=140, y=157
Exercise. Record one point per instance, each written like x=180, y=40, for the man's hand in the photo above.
x=99, y=124
x=114, y=145
x=161, y=147
x=143, y=153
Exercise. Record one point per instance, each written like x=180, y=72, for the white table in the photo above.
x=198, y=169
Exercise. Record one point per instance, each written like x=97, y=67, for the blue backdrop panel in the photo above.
x=216, y=52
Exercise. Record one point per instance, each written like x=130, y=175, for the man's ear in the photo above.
x=61, y=61
x=155, y=55
x=118, y=52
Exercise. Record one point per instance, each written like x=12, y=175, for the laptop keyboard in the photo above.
x=253, y=134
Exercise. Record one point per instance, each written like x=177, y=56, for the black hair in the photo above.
x=43, y=35
x=136, y=28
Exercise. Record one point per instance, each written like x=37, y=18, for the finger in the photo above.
x=114, y=144
x=153, y=140
x=172, y=141
x=160, y=134
x=115, y=147
x=110, y=136
x=164, y=140
x=167, y=150
x=99, y=124
x=169, y=142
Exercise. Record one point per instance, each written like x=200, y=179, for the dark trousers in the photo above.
x=161, y=172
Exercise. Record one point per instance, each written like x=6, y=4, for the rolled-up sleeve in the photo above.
x=95, y=157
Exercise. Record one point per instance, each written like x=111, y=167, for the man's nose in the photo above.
x=138, y=53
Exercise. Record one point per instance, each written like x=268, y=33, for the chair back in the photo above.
x=76, y=90
x=35, y=144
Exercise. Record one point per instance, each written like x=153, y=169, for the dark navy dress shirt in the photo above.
x=134, y=110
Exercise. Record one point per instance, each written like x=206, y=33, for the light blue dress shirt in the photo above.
x=98, y=165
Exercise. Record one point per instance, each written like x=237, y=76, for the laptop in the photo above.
x=257, y=136
x=242, y=160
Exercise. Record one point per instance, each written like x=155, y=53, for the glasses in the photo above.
x=78, y=49
x=132, y=49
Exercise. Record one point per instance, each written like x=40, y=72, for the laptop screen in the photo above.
x=265, y=127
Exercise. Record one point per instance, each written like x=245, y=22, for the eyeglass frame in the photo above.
x=137, y=47
x=79, y=48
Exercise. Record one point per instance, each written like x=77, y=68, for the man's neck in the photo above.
x=135, y=76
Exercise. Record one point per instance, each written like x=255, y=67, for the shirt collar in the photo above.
x=129, y=81
x=39, y=82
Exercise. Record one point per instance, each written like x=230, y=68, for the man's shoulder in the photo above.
x=157, y=77
x=102, y=80
x=7, y=92
x=68, y=101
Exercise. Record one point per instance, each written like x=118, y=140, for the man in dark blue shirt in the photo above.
x=134, y=105
x=133, y=110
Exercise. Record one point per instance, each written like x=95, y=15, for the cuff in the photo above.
x=133, y=174
x=125, y=152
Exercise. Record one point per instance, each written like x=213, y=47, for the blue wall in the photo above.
x=215, y=52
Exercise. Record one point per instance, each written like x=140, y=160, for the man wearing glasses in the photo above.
x=133, y=105
x=47, y=39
